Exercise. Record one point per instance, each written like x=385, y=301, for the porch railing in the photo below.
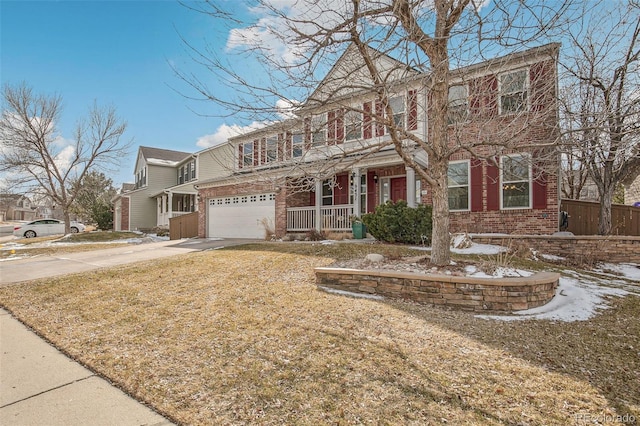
x=333, y=218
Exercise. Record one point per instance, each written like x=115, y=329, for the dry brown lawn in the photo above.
x=244, y=337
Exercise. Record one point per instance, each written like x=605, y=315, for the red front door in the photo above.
x=398, y=189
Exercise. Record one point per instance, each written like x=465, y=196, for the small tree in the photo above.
x=31, y=152
x=93, y=200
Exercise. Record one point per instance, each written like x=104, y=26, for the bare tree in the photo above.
x=601, y=106
x=427, y=36
x=34, y=157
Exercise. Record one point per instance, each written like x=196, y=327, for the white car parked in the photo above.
x=44, y=227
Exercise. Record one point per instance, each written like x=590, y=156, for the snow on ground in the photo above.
x=629, y=270
x=575, y=300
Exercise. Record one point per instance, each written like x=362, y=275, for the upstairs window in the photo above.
x=193, y=169
x=458, y=181
x=247, y=154
x=516, y=182
x=318, y=130
x=297, y=144
x=272, y=149
x=353, y=125
x=398, y=107
x=513, y=92
x=181, y=175
x=458, y=110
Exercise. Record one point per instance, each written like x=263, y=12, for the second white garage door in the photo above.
x=241, y=217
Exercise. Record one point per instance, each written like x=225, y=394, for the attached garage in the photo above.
x=242, y=216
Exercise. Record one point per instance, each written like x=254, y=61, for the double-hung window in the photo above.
x=193, y=169
x=398, y=107
x=247, y=154
x=327, y=193
x=513, y=92
x=458, y=181
x=353, y=125
x=272, y=149
x=516, y=182
x=297, y=144
x=319, y=130
x=458, y=109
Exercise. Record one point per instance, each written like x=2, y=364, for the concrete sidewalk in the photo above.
x=41, y=386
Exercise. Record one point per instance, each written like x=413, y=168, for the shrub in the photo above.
x=398, y=223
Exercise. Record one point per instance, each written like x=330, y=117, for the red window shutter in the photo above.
x=331, y=128
x=493, y=187
x=240, y=156
x=307, y=134
x=263, y=151
x=256, y=152
x=379, y=119
x=371, y=191
x=366, y=121
x=340, y=126
x=539, y=187
x=413, y=110
x=341, y=190
x=476, y=185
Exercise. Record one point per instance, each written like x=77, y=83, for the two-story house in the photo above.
x=336, y=160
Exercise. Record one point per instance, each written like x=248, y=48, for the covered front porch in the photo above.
x=332, y=204
x=173, y=204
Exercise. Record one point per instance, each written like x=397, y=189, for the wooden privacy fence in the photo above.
x=184, y=226
x=584, y=217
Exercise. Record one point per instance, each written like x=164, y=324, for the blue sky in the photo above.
x=116, y=53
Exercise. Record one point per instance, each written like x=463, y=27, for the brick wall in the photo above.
x=579, y=248
x=468, y=293
x=124, y=212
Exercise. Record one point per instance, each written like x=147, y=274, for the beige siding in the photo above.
x=142, y=210
x=215, y=162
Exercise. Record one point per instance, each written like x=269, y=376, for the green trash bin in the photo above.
x=359, y=230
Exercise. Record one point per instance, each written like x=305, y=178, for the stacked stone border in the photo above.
x=468, y=293
x=580, y=248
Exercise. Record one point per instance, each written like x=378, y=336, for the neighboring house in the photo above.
x=292, y=177
x=632, y=192
x=155, y=170
x=16, y=207
x=165, y=186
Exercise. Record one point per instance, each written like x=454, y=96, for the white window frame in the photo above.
x=271, y=149
x=458, y=104
x=403, y=124
x=352, y=125
x=297, y=139
x=525, y=90
x=245, y=153
x=503, y=182
x=467, y=185
x=319, y=130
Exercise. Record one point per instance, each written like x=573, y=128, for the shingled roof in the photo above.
x=163, y=154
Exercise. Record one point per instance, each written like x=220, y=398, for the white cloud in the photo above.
x=64, y=157
x=224, y=132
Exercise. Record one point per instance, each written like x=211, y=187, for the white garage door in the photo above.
x=242, y=216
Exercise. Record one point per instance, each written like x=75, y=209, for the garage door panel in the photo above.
x=241, y=217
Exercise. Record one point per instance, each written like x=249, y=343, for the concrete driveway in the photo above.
x=12, y=271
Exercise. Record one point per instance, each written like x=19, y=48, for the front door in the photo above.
x=398, y=189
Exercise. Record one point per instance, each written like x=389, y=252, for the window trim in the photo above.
x=294, y=143
x=526, y=90
x=468, y=185
x=529, y=181
x=321, y=121
x=465, y=100
x=404, y=113
x=271, y=140
x=357, y=122
x=245, y=152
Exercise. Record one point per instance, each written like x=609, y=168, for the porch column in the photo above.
x=170, y=209
x=318, y=211
x=411, y=187
x=355, y=175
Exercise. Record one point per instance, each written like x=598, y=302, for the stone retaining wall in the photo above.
x=586, y=248
x=469, y=293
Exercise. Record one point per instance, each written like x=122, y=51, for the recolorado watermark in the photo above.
x=602, y=418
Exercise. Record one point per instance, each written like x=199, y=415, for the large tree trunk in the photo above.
x=606, y=198
x=441, y=240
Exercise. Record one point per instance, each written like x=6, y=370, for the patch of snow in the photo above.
x=575, y=300
x=480, y=249
x=630, y=271
x=552, y=257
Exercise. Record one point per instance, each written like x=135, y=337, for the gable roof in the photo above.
x=150, y=153
x=350, y=75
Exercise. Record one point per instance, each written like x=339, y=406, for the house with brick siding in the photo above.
x=335, y=161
